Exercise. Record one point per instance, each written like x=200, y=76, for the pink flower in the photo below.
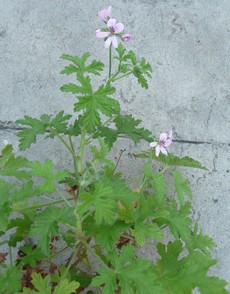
x=105, y=14
x=164, y=142
x=114, y=29
x=126, y=37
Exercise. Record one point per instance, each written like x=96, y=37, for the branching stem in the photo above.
x=63, y=141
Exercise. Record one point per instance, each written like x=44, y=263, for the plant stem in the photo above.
x=86, y=215
x=64, y=199
x=74, y=157
x=120, y=77
x=81, y=150
x=39, y=206
x=110, y=60
x=70, y=262
x=48, y=260
x=64, y=142
x=120, y=154
x=90, y=249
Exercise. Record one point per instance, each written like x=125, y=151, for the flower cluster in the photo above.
x=113, y=29
x=164, y=142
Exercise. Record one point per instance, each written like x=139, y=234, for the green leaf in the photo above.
x=32, y=255
x=109, y=135
x=40, y=126
x=45, y=171
x=172, y=160
x=104, y=205
x=5, y=211
x=128, y=62
x=157, y=182
x=200, y=241
x=142, y=231
x=66, y=287
x=10, y=280
x=59, y=122
x=28, y=136
x=47, y=223
x=179, y=221
x=25, y=192
x=42, y=285
x=22, y=226
x=95, y=103
x=13, y=166
x=106, y=235
x=133, y=275
x=79, y=66
x=85, y=87
x=100, y=155
x=128, y=125
x=181, y=186
x=182, y=275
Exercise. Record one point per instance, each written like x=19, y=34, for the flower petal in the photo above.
x=158, y=149
x=105, y=14
x=118, y=28
x=163, y=150
x=111, y=23
x=108, y=42
x=101, y=34
x=109, y=11
x=114, y=41
x=163, y=136
x=153, y=144
x=170, y=136
x=167, y=143
x=126, y=37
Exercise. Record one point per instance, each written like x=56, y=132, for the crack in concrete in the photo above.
x=12, y=126
x=192, y=142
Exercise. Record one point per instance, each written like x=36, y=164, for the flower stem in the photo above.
x=110, y=60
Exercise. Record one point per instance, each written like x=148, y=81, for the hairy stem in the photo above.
x=21, y=210
x=110, y=60
x=81, y=150
x=74, y=157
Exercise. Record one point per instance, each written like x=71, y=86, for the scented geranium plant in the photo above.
x=79, y=229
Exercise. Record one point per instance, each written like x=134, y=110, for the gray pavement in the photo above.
x=188, y=45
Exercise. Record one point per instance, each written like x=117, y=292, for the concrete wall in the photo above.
x=187, y=44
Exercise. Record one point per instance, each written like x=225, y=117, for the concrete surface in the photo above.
x=187, y=44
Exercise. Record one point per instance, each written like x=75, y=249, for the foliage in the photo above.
x=61, y=222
